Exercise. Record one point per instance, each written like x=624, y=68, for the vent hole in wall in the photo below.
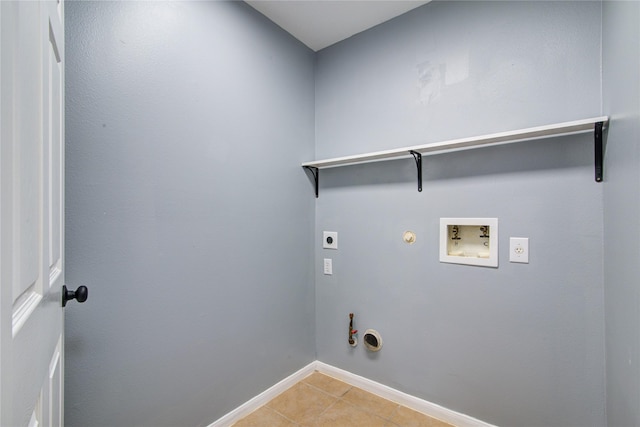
x=372, y=340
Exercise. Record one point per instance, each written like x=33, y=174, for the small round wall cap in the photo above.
x=409, y=237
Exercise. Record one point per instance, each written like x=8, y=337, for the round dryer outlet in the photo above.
x=372, y=340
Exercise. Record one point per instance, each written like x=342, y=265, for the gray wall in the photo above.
x=192, y=223
x=188, y=215
x=520, y=345
x=621, y=92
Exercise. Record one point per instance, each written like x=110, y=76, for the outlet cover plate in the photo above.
x=330, y=239
x=519, y=249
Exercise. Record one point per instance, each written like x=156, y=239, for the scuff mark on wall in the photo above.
x=435, y=75
x=457, y=68
x=430, y=82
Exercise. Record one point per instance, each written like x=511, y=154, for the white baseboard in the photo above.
x=404, y=399
x=264, y=397
x=417, y=404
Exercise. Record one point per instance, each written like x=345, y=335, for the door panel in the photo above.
x=48, y=409
x=55, y=154
x=31, y=213
x=27, y=155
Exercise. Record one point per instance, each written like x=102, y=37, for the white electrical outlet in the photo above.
x=328, y=266
x=330, y=239
x=519, y=249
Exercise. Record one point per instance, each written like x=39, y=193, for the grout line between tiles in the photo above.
x=285, y=417
x=336, y=399
x=325, y=410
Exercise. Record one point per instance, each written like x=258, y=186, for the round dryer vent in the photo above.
x=372, y=340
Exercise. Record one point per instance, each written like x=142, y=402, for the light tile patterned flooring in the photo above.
x=320, y=400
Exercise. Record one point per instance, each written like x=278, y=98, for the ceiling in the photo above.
x=321, y=23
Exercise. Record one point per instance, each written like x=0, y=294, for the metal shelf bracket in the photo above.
x=316, y=173
x=418, y=158
x=599, y=151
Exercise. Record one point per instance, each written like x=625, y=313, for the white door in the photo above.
x=31, y=213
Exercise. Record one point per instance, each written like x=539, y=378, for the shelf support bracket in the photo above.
x=418, y=158
x=599, y=151
x=316, y=173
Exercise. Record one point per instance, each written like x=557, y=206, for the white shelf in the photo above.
x=595, y=125
x=566, y=128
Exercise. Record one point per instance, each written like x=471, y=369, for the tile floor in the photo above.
x=320, y=400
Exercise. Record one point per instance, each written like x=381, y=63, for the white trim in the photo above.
x=264, y=397
x=23, y=310
x=54, y=273
x=404, y=399
x=412, y=402
x=566, y=128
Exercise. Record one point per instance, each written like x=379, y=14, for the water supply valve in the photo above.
x=353, y=341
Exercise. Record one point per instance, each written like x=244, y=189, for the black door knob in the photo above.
x=79, y=294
